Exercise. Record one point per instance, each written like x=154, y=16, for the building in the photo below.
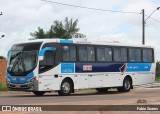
x=3, y=63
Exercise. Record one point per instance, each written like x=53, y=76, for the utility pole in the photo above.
x=144, y=23
x=143, y=27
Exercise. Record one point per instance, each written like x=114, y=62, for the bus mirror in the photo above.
x=41, y=58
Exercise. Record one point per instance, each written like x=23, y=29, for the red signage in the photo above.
x=87, y=67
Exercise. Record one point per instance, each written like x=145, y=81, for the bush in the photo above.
x=3, y=87
x=158, y=78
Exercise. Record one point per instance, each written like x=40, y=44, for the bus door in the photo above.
x=46, y=64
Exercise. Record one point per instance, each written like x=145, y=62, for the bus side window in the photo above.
x=138, y=55
x=69, y=53
x=150, y=55
x=135, y=55
x=101, y=54
x=147, y=55
x=82, y=53
x=117, y=55
x=120, y=54
x=90, y=53
x=108, y=54
x=124, y=54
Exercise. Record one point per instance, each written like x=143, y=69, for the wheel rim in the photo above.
x=66, y=87
x=127, y=84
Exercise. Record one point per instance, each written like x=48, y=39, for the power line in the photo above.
x=89, y=8
x=98, y=9
x=153, y=19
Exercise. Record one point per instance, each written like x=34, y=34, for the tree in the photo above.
x=2, y=57
x=39, y=34
x=70, y=28
x=158, y=70
x=59, y=29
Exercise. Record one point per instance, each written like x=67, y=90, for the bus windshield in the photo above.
x=21, y=62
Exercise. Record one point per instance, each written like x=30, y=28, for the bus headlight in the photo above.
x=13, y=78
x=8, y=80
x=32, y=79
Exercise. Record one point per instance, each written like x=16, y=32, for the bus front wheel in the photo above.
x=127, y=84
x=38, y=93
x=66, y=88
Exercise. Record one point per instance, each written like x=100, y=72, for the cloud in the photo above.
x=22, y=17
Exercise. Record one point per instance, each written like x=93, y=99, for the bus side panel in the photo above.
x=48, y=83
x=112, y=80
x=95, y=80
x=144, y=74
x=82, y=80
x=50, y=80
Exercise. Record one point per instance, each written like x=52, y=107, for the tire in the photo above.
x=102, y=90
x=127, y=84
x=39, y=93
x=66, y=88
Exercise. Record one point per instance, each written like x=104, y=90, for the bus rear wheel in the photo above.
x=39, y=93
x=66, y=88
x=102, y=90
x=127, y=84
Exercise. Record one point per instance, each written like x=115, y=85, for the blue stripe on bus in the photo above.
x=42, y=52
x=66, y=41
x=8, y=53
x=112, y=67
x=98, y=67
x=20, y=79
x=131, y=67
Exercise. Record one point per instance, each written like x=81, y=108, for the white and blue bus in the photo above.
x=61, y=65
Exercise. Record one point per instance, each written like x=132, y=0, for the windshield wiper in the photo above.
x=14, y=56
x=16, y=61
x=23, y=65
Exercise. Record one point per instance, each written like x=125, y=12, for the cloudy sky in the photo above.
x=20, y=17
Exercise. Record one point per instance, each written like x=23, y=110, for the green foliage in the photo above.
x=40, y=33
x=3, y=87
x=59, y=29
x=158, y=71
x=158, y=67
x=2, y=57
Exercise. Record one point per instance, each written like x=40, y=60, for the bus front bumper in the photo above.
x=22, y=87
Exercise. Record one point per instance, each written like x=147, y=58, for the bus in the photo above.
x=66, y=65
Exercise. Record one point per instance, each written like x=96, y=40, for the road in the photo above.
x=85, y=97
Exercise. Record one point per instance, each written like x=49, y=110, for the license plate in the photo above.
x=17, y=86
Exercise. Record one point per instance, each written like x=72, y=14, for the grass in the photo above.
x=155, y=87
x=158, y=78
x=3, y=87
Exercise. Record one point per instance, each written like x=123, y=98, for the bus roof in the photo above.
x=86, y=41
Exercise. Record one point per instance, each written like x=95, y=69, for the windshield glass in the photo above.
x=21, y=62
